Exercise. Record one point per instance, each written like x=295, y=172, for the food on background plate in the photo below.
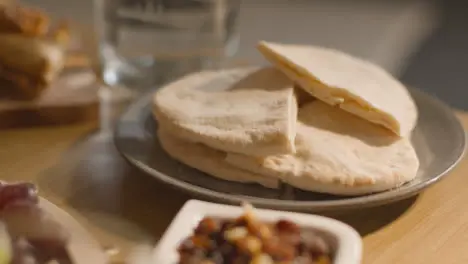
x=246, y=240
x=28, y=234
x=28, y=65
x=209, y=160
x=15, y=18
x=31, y=51
x=338, y=153
x=354, y=85
x=18, y=19
x=255, y=114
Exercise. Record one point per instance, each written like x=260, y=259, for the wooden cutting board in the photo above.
x=72, y=98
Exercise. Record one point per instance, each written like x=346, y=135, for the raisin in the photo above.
x=202, y=242
x=241, y=221
x=242, y=259
x=301, y=248
x=24, y=191
x=226, y=225
x=285, y=226
x=196, y=256
x=216, y=257
x=290, y=238
x=227, y=249
x=207, y=226
x=217, y=238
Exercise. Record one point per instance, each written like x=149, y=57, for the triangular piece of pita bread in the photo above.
x=338, y=153
x=249, y=111
x=209, y=160
x=354, y=85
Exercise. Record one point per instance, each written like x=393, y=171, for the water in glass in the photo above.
x=148, y=42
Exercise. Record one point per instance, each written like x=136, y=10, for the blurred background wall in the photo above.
x=423, y=42
x=440, y=65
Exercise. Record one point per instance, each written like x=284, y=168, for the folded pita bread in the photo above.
x=338, y=153
x=209, y=160
x=254, y=113
x=28, y=65
x=355, y=85
x=32, y=56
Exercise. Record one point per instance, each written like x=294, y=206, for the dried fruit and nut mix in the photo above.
x=246, y=240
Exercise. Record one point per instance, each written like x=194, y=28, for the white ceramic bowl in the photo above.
x=344, y=239
x=82, y=247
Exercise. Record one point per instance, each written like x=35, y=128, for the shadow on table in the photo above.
x=369, y=220
x=93, y=179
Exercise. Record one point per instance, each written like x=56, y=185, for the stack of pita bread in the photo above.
x=318, y=119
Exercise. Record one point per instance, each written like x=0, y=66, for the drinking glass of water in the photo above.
x=143, y=43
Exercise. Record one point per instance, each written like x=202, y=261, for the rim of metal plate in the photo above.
x=130, y=124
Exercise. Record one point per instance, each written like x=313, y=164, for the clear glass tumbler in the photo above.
x=143, y=43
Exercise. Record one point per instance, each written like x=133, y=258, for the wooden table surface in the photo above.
x=77, y=168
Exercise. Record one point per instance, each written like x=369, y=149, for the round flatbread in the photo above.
x=355, y=85
x=338, y=153
x=209, y=160
x=249, y=111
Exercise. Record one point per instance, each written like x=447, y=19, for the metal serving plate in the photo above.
x=439, y=140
